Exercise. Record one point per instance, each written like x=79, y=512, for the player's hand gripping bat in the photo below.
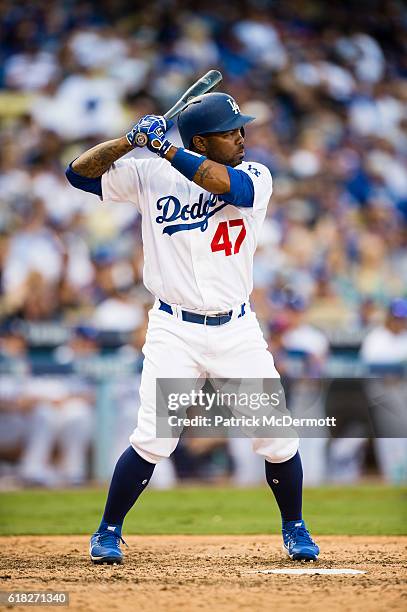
x=201, y=86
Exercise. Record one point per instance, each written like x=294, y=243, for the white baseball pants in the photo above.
x=178, y=349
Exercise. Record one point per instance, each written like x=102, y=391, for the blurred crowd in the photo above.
x=326, y=82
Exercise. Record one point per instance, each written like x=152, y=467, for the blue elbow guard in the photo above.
x=93, y=185
x=241, y=189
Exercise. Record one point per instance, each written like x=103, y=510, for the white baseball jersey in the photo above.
x=198, y=249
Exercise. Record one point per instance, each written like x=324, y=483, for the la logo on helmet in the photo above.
x=234, y=106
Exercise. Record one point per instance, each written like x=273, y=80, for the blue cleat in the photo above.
x=105, y=546
x=297, y=542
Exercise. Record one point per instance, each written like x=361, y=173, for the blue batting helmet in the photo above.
x=211, y=112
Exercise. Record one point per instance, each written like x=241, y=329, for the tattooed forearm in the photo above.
x=96, y=161
x=203, y=172
x=210, y=175
x=213, y=177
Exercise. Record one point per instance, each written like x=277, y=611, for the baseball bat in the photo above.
x=201, y=86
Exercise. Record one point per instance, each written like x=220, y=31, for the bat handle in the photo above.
x=140, y=140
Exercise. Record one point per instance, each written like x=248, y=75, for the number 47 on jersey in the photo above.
x=222, y=239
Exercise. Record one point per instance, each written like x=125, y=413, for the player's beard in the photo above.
x=232, y=161
x=223, y=154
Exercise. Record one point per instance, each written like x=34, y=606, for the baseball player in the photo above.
x=202, y=208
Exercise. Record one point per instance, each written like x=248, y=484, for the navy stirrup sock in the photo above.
x=130, y=477
x=285, y=480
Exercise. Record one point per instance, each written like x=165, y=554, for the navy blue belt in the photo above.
x=194, y=317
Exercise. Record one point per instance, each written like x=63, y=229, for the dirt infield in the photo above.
x=209, y=573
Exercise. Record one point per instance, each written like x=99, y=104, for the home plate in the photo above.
x=298, y=570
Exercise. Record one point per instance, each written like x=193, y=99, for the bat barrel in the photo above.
x=202, y=86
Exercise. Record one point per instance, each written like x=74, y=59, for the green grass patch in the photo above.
x=363, y=510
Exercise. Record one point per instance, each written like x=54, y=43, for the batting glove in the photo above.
x=150, y=131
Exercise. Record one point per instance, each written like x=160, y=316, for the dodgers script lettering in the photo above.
x=172, y=210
